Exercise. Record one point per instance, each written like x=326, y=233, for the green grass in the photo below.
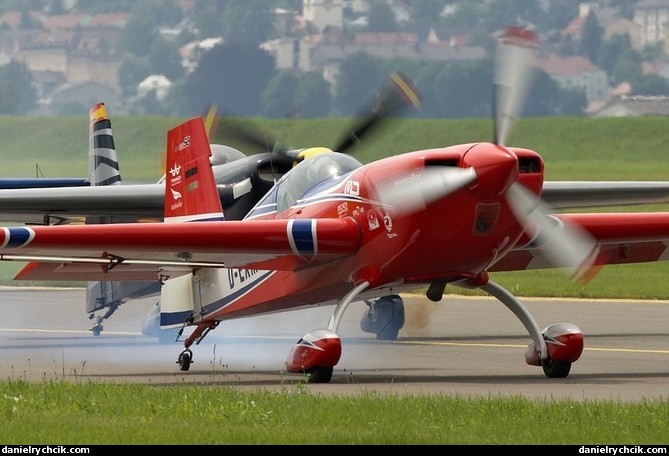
x=573, y=148
x=57, y=412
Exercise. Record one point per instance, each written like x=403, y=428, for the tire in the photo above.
x=384, y=317
x=319, y=374
x=392, y=310
x=557, y=369
x=185, y=359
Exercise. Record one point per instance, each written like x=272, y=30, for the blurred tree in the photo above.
x=278, y=98
x=98, y=7
x=650, y=84
x=425, y=81
x=547, y=99
x=248, y=21
x=611, y=50
x=591, y=37
x=207, y=15
x=381, y=18
x=18, y=78
x=161, y=12
x=138, y=34
x=628, y=67
x=164, y=58
x=233, y=75
x=466, y=14
x=559, y=14
x=427, y=11
x=359, y=75
x=464, y=89
x=314, y=96
x=9, y=99
x=131, y=72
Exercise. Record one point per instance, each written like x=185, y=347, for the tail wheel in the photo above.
x=556, y=369
x=185, y=360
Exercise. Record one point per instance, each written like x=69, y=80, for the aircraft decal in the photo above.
x=321, y=198
x=241, y=282
x=373, y=220
x=191, y=173
x=302, y=237
x=16, y=237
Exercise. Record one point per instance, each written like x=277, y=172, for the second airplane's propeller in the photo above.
x=397, y=94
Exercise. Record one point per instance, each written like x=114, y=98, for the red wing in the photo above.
x=621, y=237
x=140, y=250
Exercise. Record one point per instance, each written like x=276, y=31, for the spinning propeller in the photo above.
x=569, y=246
x=398, y=93
x=494, y=171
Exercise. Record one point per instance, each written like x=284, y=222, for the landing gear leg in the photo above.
x=319, y=351
x=555, y=348
x=97, y=328
x=515, y=306
x=186, y=357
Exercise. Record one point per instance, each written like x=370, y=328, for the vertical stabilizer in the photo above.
x=190, y=187
x=103, y=166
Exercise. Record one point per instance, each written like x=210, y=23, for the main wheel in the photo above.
x=96, y=329
x=319, y=374
x=185, y=360
x=384, y=317
x=557, y=369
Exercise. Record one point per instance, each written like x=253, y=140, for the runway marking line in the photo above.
x=407, y=342
x=463, y=344
x=68, y=331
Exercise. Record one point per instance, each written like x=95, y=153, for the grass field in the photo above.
x=108, y=414
x=89, y=413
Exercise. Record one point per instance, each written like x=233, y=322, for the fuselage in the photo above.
x=457, y=236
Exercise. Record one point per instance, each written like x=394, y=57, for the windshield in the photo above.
x=322, y=167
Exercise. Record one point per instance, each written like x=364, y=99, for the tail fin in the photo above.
x=190, y=187
x=103, y=166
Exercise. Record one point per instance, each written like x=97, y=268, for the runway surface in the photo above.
x=464, y=346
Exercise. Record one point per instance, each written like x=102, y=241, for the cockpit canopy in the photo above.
x=313, y=174
x=325, y=166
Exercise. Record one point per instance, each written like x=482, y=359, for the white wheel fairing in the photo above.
x=319, y=348
x=564, y=342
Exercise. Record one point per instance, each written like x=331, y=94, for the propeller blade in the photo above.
x=432, y=185
x=260, y=140
x=564, y=246
x=513, y=69
x=399, y=93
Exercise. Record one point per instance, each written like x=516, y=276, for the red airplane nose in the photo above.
x=496, y=169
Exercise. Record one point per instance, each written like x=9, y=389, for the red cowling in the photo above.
x=319, y=348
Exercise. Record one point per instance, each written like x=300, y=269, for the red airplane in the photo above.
x=332, y=231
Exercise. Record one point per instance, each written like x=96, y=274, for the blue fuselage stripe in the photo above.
x=18, y=236
x=303, y=236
